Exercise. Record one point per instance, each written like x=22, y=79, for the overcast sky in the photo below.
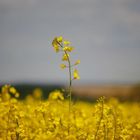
x=105, y=33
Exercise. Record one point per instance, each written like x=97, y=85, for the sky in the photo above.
x=105, y=34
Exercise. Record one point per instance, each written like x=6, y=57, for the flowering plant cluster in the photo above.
x=37, y=119
x=64, y=45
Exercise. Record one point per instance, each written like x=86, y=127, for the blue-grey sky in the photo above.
x=105, y=33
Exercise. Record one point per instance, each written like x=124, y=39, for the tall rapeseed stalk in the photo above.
x=59, y=44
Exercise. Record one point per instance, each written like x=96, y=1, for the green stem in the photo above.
x=70, y=80
x=70, y=76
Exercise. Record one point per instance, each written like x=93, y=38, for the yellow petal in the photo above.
x=62, y=66
x=56, y=48
x=75, y=74
x=55, y=45
x=60, y=39
x=56, y=95
x=17, y=95
x=77, y=62
x=12, y=90
x=66, y=42
x=54, y=42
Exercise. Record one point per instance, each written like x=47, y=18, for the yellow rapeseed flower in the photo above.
x=66, y=42
x=77, y=62
x=12, y=90
x=65, y=57
x=75, y=74
x=55, y=95
x=67, y=48
x=62, y=66
x=60, y=39
x=16, y=94
x=37, y=93
x=55, y=45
